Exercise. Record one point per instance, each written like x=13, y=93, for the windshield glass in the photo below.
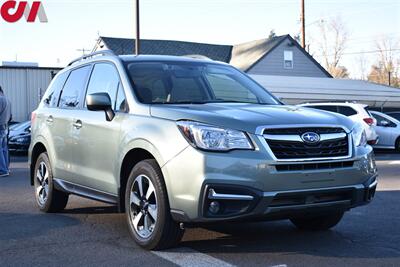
x=194, y=83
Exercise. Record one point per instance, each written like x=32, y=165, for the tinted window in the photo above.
x=50, y=99
x=104, y=79
x=380, y=119
x=194, y=82
x=326, y=108
x=347, y=111
x=74, y=88
x=395, y=115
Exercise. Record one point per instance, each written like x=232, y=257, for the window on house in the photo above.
x=288, y=59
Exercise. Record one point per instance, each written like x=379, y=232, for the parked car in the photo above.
x=356, y=112
x=19, y=137
x=176, y=140
x=388, y=129
x=394, y=114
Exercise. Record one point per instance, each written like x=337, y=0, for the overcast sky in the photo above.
x=75, y=24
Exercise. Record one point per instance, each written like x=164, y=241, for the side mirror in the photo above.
x=384, y=123
x=100, y=102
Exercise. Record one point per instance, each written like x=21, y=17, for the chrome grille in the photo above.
x=287, y=144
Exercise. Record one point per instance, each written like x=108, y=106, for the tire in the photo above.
x=47, y=197
x=147, y=209
x=397, y=145
x=317, y=223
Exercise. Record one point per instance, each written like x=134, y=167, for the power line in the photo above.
x=366, y=52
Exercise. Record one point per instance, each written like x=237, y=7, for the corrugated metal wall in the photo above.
x=24, y=87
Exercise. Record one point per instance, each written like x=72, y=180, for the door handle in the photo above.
x=50, y=119
x=78, y=124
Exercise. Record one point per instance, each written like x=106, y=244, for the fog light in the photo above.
x=214, y=207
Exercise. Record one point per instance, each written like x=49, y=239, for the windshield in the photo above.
x=20, y=126
x=194, y=83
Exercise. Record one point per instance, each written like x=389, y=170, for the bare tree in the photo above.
x=362, y=65
x=331, y=45
x=386, y=70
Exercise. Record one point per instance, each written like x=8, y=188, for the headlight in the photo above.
x=359, y=135
x=212, y=138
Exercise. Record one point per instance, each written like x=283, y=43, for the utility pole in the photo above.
x=303, y=25
x=390, y=78
x=137, y=41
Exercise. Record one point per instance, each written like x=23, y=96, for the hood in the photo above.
x=248, y=117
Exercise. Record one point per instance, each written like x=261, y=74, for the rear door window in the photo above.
x=74, y=88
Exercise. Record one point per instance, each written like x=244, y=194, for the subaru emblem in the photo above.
x=311, y=138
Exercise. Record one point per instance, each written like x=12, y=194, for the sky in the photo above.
x=76, y=24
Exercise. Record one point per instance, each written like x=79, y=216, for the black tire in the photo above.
x=397, y=145
x=317, y=223
x=55, y=200
x=166, y=233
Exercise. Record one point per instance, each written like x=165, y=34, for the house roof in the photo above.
x=246, y=55
x=243, y=56
x=123, y=46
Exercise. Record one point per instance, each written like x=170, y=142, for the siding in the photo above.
x=24, y=87
x=272, y=63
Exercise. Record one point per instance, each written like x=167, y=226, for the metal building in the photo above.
x=297, y=90
x=25, y=86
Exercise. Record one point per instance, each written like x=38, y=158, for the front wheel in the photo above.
x=147, y=208
x=317, y=223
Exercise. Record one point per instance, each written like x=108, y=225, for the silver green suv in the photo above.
x=175, y=141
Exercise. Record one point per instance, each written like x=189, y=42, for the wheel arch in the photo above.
x=131, y=158
x=37, y=149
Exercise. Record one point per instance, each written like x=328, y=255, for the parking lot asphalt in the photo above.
x=89, y=233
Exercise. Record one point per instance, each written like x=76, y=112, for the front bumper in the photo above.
x=278, y=190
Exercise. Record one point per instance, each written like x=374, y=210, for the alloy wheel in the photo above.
x=143, y=206
x=42, y=188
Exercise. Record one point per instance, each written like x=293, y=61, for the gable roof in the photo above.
x=247, y=55
x=123, y=46
x=243, y=56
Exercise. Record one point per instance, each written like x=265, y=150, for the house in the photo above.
x=281, y=55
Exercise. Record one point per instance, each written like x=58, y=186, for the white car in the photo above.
x=354, y=111
x=388, y=129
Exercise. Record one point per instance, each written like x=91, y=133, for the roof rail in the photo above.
x=330, y=102
x=91, y=55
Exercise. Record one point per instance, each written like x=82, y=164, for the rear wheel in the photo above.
x=317, y=223
x=147, y=208
x=47, y=197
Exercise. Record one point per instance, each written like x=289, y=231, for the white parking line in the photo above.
x=190, y=257
x=396, y=162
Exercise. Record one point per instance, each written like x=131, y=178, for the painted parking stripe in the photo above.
x=190, y=257
x=396, y=162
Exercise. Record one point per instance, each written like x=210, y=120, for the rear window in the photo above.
x=50, y=99
x=326, y=108
x=347, y=111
